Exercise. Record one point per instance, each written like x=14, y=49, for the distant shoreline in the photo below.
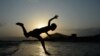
x=62, y=38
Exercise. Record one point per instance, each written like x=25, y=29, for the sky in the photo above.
x=73, y=14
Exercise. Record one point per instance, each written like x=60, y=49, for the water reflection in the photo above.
x=30, y=49
x=50, y=46
x=58, y=49
x=41, y=51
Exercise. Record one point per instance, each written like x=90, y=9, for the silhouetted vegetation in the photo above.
x=73, y=38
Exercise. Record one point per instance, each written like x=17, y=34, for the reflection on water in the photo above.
x=30, y=49
x=58, y=49
x=41, y=51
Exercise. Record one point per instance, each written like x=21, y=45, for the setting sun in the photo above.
x=41, y=25
x=43, y=35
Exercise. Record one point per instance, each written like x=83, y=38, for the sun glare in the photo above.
x=43, y=35
x=41, y=25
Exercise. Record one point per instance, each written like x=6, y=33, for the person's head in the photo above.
x=53, y=26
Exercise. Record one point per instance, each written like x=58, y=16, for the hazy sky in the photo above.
x=73, y=14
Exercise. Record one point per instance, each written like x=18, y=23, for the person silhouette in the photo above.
x=36, y=32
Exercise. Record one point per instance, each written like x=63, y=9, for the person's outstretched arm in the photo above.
x=55, y=17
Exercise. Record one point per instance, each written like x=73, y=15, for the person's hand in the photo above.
x=18, y=23
x=55, y=17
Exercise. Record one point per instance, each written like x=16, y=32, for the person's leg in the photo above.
x=43, y=45
x=26, y=34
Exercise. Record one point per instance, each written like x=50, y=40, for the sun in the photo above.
x=40, y=25
x=43, y=35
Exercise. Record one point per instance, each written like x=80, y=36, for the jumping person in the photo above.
x=36, y=32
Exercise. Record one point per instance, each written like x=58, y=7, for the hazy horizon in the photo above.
x=73, y=16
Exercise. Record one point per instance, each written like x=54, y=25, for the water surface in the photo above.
x=55, y=48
